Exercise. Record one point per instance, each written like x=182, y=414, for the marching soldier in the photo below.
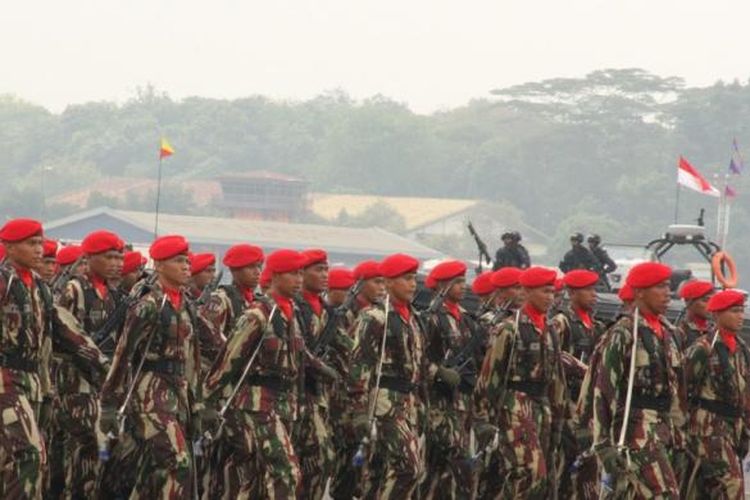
x=694, y=320
x=519, y=396
x=69, y=255
x=32, y=327
x=387, y=371
x=155, y=378
x=133, y=264
x=508, y=291
x=202, y=272
x=340, y=281
x=639, y=394
x=579, y=332
x=483, y=288
x=48, y=268
x=718, y=373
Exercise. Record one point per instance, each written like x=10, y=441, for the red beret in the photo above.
x=314, y=256
x=101, y=241
x=397, y=265
x=265, y=277
x=367, y=270
x=285, y=261
x=447, y=270
x=506, y=277
x=49, y=249
x=559, y=284
x=482, y=284
x=580, y=278
x=2, y=252
x=537, y=276
x=626, y=293
x=242, y=255
x=725, y=299
x=648, y=274
x=131, y=261
x=695, y=289
x=430, y=283
x=20, y=229
x=340, y=279
x=166, y=247
x=69, y=254
x=200, y=261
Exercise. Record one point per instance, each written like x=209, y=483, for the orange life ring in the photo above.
x=718, y=261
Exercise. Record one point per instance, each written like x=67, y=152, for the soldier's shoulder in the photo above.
x=375, y=312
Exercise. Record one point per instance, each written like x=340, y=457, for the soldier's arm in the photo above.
x=341, y=347
x=68, y=336
x=216, y=312
x=679, y=407
x=365, y=357
x=71, y=299
x=208, y=334
x=612, y=371
x=696, y=363
x=491, y=382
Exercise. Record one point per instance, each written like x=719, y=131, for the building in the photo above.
x=263, y=195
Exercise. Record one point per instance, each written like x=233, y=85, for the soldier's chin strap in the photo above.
x=629, y=394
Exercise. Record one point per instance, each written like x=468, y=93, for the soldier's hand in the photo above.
x=612, y=460
x=484, y=433
x=449, y=376
x=108, y=420
x=209, y=417
x=361, y=425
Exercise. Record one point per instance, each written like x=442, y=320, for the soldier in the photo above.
x=694, y=320
x=627, y=296
x=579, y=332
x=452, y=352
x=48, y=268
x=636, y=455
x=132, y=270
x=513, y=253
x=69, y=255
x=202, y=272
x=264, y=283
x=509, y=293
x=578, y=257
x=155, y=377
x=606, y=264
x=263, y=361
x=718, y=371
x=340, y=281
x=483, y=288
x=32, y=327
x=387, y=371
x=519, y=396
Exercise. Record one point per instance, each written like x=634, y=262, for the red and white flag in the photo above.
x=689, y=177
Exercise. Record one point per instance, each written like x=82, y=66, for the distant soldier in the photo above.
x=513, y=253
x=578, y=257
x=519, y=397
x=340, y=281
x=389, y=391
x=508, y=290
x=606, y=264
x=48, y=268
x=483, y=288
x=202, y=272
x=636, y=455
x=32, y=327
x=155, y=377
x=72, y=255
x=132, y=270
x=718, y=373
x=694, y=321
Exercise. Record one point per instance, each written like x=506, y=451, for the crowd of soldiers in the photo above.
x=299, y=381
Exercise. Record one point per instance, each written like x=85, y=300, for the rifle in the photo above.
x=318, y=348
x=62, y=279
x=209, y=289
x=483, y=252
x=117, y=319
x=437, y=301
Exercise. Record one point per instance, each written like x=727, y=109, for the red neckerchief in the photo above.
x=701, y=323
x=585, y=317
x=537, y=317
x=248, y=293
x=363, y=302
x=402, y=309
x=730, y=339
x=25, y=276
x=284, y=304
x=99, y=285
x=654, y=322
x=313, y=299
x=452, y=309
x=174, y=296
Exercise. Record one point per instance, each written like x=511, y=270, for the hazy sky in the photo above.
x=431, y=54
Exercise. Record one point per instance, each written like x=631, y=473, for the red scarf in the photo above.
x=313, y=299
x=701, y=323
x=248, y=294
x=284, y=304
x=729, y=339
x=452, y=309
x=654, y=322
x=585, y=318
x=402, y=309
x=363, y=302
x=100, y=286
x=174, y=296
x=25, y=276
x=536, y=316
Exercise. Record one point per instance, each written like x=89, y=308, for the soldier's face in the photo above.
x=204, y=277
x=731, y=319
x=174, y=272
x=315, y=277
x=373, y=290
x=654, y=299
x=699, y=307
x=457, y=290
x=27, y=253
x=47, y=269
x=583, y=298
x=247, y=276
x=128, y=280
x=336, y=297
x=287, y=284
x=106, y=265
x=402, y=288
x=509, y=296
x=541, y=297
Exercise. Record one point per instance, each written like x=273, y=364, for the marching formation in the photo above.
x=294, y=380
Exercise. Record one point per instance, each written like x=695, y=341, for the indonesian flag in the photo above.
x=690, y=178
x=165, y=149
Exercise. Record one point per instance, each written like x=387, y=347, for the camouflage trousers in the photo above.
x=650, y=475
x=254, y=458
x=449, y=471
x=312, y=440
x=718, y=473
x=78, y=418
x=345, y=482
x=578, y=471
x=117, y=475
x=22, y=452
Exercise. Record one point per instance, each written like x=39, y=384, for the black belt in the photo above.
x=397, y=384
x=272, y=382
x=718, y=407
x=467, y=385
x=164, y=366
x=657, y=403
x=534, y=389
x=18, y=363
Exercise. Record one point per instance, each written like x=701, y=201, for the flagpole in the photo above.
x=158, y=197
x=677, y=203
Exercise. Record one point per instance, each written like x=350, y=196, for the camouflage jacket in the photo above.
x=404, y=372
x=32, y=328
x=224, y=308
x=658, y=409
x=577, y=340
x=716, y=375
x=688, y=332
x=165, y=340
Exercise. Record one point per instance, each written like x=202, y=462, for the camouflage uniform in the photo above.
x=689, y=330
x=32, y=326
x=258, y=457
x=396, y=462
x=225, y=307
x=577, y=341
x=657, y=414
x=520, y=390
x=719, y=424
x=166, y=395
